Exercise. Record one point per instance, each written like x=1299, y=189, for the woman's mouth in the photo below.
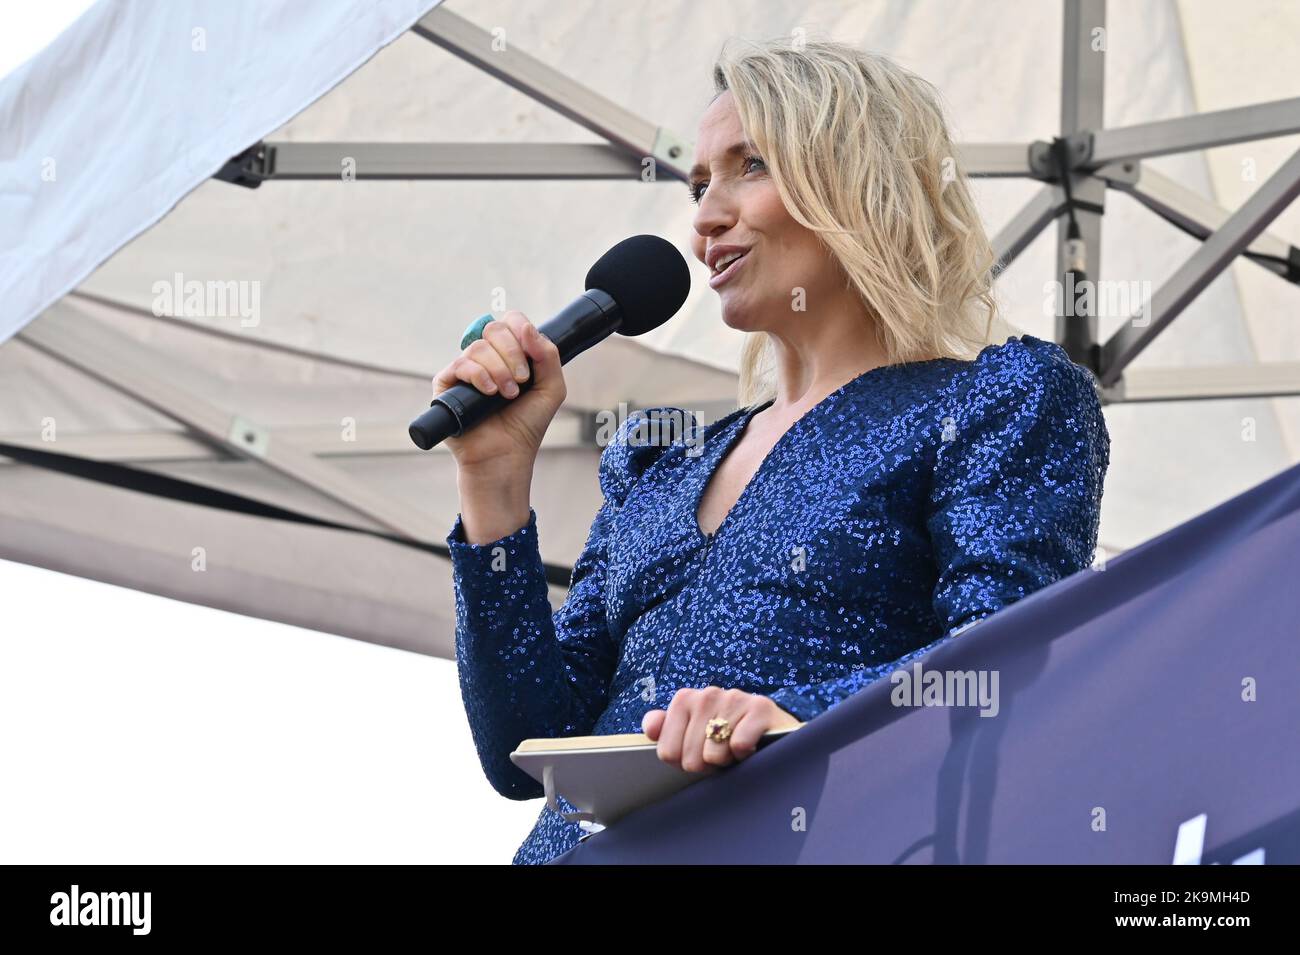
x=718, y=278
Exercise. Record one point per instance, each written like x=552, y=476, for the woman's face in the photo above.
x=739, y=207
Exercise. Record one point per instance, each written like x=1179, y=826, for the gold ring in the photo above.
x=718, y=730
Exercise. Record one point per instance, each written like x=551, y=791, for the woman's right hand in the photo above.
x=512, y=436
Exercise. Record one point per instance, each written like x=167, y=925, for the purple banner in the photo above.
x=1143, y=711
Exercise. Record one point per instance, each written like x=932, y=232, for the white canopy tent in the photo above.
x=347, y=292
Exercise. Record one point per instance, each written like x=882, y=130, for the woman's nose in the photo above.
x=715, y=214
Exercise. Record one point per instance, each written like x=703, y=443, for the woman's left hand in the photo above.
x=680, y=729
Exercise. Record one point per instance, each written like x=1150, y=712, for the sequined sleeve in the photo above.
x=526, y=672
x=1016, y=497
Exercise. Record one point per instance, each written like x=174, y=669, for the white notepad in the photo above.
x=606, y=777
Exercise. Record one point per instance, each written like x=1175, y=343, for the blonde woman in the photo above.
x=892, y=477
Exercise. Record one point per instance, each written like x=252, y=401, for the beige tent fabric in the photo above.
x=365, y=286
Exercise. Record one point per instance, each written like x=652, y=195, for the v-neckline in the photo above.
x=771, y=453
x=726, y=449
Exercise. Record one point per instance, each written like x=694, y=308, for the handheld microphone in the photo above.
x=634, y=287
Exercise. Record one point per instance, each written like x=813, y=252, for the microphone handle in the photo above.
x=588, y=319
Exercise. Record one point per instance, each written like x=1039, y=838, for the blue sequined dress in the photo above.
x=908, y=504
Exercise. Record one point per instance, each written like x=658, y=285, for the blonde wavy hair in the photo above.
x=860, y=153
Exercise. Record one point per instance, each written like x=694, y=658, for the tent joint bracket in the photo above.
x=1043, y=162
x=249, y=168
x=249, y=437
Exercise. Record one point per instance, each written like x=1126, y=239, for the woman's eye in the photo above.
x=697, y=188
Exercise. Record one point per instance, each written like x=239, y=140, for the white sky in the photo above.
x=138, y=729
x=29, y=28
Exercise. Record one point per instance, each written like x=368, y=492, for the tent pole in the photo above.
x=1198, y=216
x=1211, y=258
x=1078, y=232
x=457, y=161
x=1036, y=215
x=133, y=370
x=492, y=53
x=1200, y=131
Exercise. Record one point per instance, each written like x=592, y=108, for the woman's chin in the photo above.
x=736, y=314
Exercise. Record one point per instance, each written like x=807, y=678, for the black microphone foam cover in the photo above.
x=647, y=277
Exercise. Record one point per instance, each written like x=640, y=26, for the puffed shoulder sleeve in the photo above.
x=524, y=671
x=1016, y=496
x=636, y=444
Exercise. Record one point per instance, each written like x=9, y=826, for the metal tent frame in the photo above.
x=1076, y=169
